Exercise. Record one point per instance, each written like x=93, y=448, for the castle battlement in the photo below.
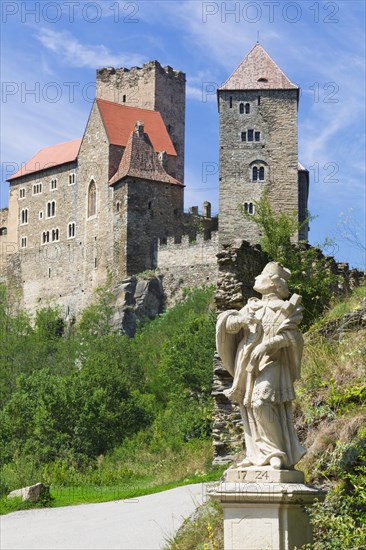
x=106, y=72
x=201, y=251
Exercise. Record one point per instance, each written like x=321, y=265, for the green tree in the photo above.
x=312, y=276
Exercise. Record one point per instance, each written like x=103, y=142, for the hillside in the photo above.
x=331, y=421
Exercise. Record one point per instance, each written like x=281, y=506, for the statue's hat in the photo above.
x=274, y=269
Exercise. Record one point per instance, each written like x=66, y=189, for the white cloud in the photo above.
x=75, y=54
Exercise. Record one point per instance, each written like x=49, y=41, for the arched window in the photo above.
x=45, y=237
x=249, y=208
x=55, y=234
x=241, y=108
x=247, y=108
x=24, y=216
x=71, y=230
x=51, y=209
x=92, y=199
x=258, y=171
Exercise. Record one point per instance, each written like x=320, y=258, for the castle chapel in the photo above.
x=111, y=203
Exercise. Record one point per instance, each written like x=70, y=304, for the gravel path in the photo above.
x=142, y=523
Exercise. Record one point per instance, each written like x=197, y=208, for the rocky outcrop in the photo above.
x=137, y=299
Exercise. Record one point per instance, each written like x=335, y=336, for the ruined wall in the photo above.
x=273, y=113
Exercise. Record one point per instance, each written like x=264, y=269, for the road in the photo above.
x=143, y=523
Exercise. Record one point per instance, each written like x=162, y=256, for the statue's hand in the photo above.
x=258, y=352
x=247, y=318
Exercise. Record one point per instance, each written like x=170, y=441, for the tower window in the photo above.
x=249, y=208
x=118, y=206
x=37, y=188
x=22, y=193
x=55, y=234
x=51, y=209
x=259, y=100
x=250, y=135
x=71, y=230
x=258, y=172
x=247, y=108
x=257, y=136
x=230, y=102
x=124, y=98
x=241, y=108
x=72, y=176
x=243, y=136
x=24, y=216
x=3, y=231
x=40, y=214
x=92, y=199
x=262, y=79
x=53, y=184
x=23, y=242
x=45, y=237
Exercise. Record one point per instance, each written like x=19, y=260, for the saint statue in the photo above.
x=261, y=347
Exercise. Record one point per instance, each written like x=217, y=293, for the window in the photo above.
x=243, y=136
x=55, y=233
x=24, y=216
x=262, y=79
x=249, y=208
x=241, y=108
x=3, y=231
x=53, y=184
x=37, y=188
x=230, y=102
x=247, y=108
x=51, y=209
x=40, y=215
x=71, y=230
x=118, y=206
x=250, y=135
x=22, y=193
x=45, y=237
x=259, y=100
x=257, y=136
x=258, y=173
x=72, y=177
x=92, y=199
x=124, y=99
x=23, y=242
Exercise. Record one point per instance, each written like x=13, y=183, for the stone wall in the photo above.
x=273, y=113
x=150, y=87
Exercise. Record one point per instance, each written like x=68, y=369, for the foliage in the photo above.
x=311, y=276
x=80, y=398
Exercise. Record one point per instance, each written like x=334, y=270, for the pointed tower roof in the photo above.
x=258, y=71
x=140, y=161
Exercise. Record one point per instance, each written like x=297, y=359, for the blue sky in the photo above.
x=50, y=51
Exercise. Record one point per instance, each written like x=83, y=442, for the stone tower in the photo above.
x=150, y=87
x=258, y=144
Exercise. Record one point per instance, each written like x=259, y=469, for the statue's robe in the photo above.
x=264, y=391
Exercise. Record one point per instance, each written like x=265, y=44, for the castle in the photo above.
x=111, y=203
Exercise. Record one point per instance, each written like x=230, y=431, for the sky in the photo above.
x=50, y=51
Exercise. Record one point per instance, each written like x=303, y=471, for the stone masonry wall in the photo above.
x=150, y=87
x=273, y=113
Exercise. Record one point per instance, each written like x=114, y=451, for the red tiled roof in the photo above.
x=49, y=157
x=141, y=161
x=258, y=71
x=119, y=121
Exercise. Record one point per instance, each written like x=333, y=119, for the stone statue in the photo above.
x=261, y=347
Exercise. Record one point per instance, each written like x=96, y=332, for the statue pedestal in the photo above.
x=264, y=508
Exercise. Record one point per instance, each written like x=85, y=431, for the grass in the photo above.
x=201, y=531
x=149, y=474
